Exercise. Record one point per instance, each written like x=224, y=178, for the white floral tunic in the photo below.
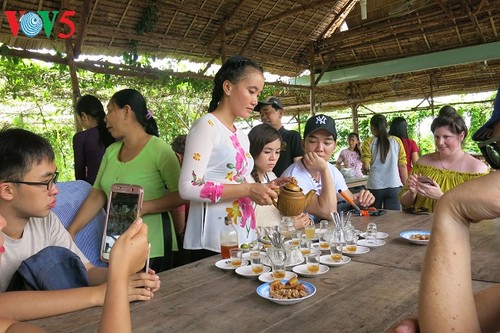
x=215, y=156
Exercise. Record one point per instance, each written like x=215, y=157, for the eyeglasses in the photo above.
x=49, y=184
x=491, y=151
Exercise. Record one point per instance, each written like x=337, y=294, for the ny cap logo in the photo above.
x=321, y=120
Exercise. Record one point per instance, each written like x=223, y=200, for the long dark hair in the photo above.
x=399, y=128
x=260, y=136
x=137, y=103
x=92, y=107
x=450, y=118
x=379, y=125
x=357, y=149
x=233, y=70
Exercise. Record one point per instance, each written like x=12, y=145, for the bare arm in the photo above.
x=168, y=202
x=10, y=326
x=321, y=205
x=446, y=301
x=403, y=172
x=42, y=304
x=90, y=207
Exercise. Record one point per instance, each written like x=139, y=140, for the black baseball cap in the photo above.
x=273, y=101
x=484, y=133
x=320, y=121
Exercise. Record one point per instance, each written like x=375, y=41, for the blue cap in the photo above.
x=484, y=133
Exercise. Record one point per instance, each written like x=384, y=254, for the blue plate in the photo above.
x=263, y=291
x=407, y=235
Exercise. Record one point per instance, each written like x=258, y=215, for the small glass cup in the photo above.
x=310, y=231
x=257, y=266
x=336, y=251
x=312, y=262
x=286, y=226
x=305, y=246
x=296, y=236
x=324, y=243
x=351, y=240
x=279, y=271
x=323, y=225
x=236, y=257
x=371, y=234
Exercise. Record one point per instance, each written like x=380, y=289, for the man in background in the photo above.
x=271, y=112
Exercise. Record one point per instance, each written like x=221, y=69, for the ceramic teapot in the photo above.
x=291, y=199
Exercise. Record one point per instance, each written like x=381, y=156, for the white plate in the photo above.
x=327, y=260
x=316, y=248
x=268, y=277
x=359, y=250
x=380, y=235
x=246, y=271
x=364, y=242
x=266, y=261
x=246, y=256
x=302, y=270
x=225, y=264
x=407, y=235
x=263, y=291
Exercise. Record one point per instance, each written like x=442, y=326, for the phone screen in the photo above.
x=122, y=211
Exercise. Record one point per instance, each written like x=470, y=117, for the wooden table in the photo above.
x=354, y=182
x=369, y=294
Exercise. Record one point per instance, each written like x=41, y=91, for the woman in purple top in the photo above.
x=351, y=157
x=89, y=145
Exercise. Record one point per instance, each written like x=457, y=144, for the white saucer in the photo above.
x=364, y=242
x=327, y=260
x=225, y=264
x=246, y=271
x=302, y=270
x=246, y=256
x=268, y=276
x=316, y=248
x=380, y=235
x=359, y=250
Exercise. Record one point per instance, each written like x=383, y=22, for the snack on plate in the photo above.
x=292, y=289
x=422, y=237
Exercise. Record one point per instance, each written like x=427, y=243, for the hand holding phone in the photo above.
x=426, y=180
x=124, y=206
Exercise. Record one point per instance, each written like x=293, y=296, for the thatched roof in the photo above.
x=289, y=37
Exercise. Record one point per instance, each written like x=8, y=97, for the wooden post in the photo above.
x=355, y=123
x=74, y=81
x=312, y=94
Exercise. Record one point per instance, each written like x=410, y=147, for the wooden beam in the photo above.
x=249, y=38
x=312, y=93
x=87, y=4
x=224, y=21
x=281, y=16
x=75, y=87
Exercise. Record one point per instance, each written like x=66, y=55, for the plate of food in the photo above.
x=420, y=237
x=286, y=292
x=380, y=235
x=359, y=250
x=268, y=277
x=377, y=243
x=225, y=264
x=247, y=271
x=327, y=260
x=302, y=270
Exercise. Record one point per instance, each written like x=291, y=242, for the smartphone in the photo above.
x=425, y=180
x=146, y=267
x=124, y=206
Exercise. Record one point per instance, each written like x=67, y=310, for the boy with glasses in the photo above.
x=27, y=194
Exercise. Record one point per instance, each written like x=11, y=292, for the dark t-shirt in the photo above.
x=291, y=148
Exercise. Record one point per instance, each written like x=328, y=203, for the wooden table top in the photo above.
x=369, y=294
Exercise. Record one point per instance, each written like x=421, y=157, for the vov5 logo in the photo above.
x=31, y=23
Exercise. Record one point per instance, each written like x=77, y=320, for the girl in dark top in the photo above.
x=399, y=128
x=90, y=144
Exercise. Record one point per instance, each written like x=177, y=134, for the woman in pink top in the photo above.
x=399, y=128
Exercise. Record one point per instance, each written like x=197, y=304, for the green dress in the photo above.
x=156, y=169
x=447, y=179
